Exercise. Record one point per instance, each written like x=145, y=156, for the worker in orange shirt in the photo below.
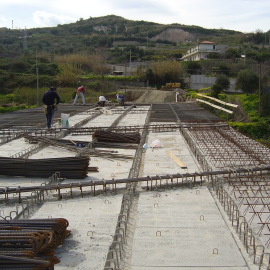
x=80, y=92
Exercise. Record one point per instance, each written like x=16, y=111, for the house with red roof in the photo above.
x=202, y=50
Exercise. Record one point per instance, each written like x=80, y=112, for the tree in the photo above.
x=216, y=89
x=247, y=81
x=19, y=66
x=163, y=72
x=193, y=68
x=223, y=82
x=214, y=55
x=223, y=69
x=149, y=77
x=68, y=75
x=232, y=53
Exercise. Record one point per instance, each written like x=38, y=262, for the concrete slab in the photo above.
x=14, y=147
x=179, y=229
x=157, y=161
x=92, y=224
x=137, y=117
x=108, y=168
x=183, y=229
x=92, y=220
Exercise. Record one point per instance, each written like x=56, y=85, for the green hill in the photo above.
x=86, y=35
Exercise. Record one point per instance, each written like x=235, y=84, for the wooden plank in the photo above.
x=219, y=101
x=176, y=159
x=215, y=106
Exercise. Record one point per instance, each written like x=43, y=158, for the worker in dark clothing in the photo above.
x=50, y=100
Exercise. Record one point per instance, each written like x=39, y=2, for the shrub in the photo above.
x=256, y=130
x=216, y=90
x=13, y=108
x=247, y=81
x=68, y=75
x=193, y=67
x=223, y=82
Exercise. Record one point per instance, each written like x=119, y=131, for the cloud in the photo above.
x=3, y=20
x=241, y=15
x=45, y=19
x=143, y=5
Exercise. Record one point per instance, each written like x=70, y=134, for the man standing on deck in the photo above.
x=50, y=100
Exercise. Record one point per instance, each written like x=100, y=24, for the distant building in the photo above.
x=201, y=50
x=118, y=73
x=125, y=43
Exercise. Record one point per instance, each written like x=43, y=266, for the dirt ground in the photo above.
x=151, y=96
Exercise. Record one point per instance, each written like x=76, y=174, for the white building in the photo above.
x=201, y=50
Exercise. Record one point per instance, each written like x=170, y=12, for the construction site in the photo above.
x=149, y=185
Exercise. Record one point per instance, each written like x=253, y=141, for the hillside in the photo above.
x=86, y=35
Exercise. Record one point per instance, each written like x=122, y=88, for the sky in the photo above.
x=239, y=15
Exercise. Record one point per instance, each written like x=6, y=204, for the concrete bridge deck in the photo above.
x=181, y=227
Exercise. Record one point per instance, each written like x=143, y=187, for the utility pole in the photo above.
x=260, y=89
x=125, y=79
x=37, y=79
x=25, y=39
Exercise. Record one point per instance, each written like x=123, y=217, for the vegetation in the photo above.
x=12, y=102
x=247, y=81
x=254, y=125
x=222, y=83
x=159, y=73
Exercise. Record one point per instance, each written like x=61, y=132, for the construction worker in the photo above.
x=50, y=100
x=102, y=100
x=121, y=99
x=80, y=91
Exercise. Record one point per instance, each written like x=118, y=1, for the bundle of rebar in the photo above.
x=116, y=137
x=80, y=147
x=30, y=244
x=67, y=142
x=69, y=167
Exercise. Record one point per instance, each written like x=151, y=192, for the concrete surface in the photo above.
x=174, y=229
x=183, y=229
x=92, y=224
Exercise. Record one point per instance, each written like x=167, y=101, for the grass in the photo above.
x=257, y=127
x=26, y=97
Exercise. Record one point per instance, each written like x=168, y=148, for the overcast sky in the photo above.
x=239, y=15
